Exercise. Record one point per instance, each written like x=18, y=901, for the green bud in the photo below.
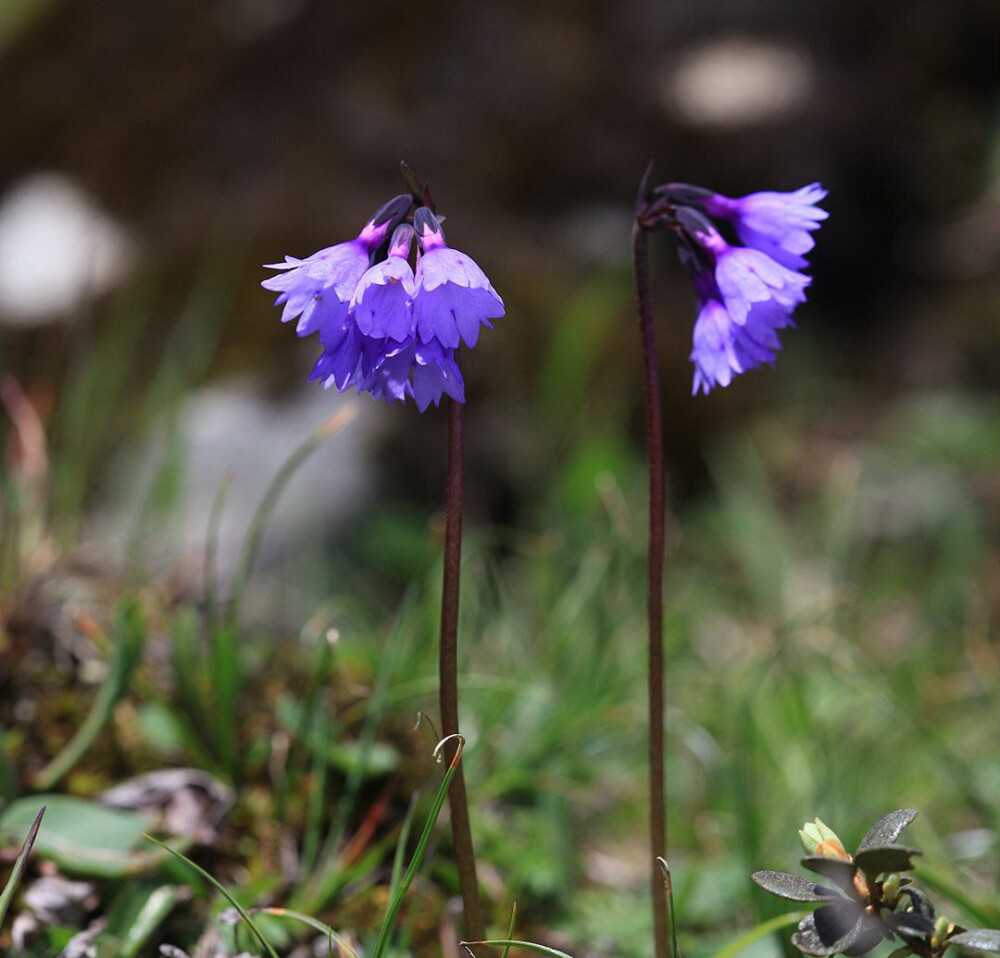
x=942, y=928
x=890, y=889
x=820, y=839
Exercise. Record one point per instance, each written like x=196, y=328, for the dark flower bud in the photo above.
x=392, y=213
x=693, y=222
x=425, y=223
x=683, y=194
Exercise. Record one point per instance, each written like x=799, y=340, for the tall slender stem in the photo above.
x=461, y=833
x=654, y=594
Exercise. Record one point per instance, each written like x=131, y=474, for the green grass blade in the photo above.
x=225, y=677
x=91, y=407
x=265, y=510
x=211, y=580
x=342, y=943
x=319, y=674
x=154, y=910
x=760, y=931
x=258, y=934
x=315, y=722
x=382, y=943
x=8, y=777
x=510, y=930
x=188, y=698
x=326, y=876
x=509, y=943
x=130, y=635
x=374, y=716
x=404, y=840
x=317, y=793
x=19, y=864
x=668, y=885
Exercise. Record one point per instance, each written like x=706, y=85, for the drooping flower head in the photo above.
x=745, y=293
x=744, y=297
x=387, y=329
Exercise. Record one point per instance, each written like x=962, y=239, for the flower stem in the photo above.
x=448, y=676
x=654, y=594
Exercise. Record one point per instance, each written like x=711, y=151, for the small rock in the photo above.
x=186, y=801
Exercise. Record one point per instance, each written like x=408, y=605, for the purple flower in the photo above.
x=386, y=330
x=723, y=347
x=744, y=298
x=454, y=297
x=425, y=371
x=340, y=363
x=745, y=293
x=382, y=304
x=318, y=289
x=392, y=370
x=778, y=224
x=748, y=277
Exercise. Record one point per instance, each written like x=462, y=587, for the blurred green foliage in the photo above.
x=830, y=595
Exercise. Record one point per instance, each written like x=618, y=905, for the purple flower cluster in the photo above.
x=745, y=293
x=386, y=328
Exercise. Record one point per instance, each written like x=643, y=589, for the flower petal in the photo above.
x=713, y=354
x=775, y=223
x=748, y=276
x=318, y=289
x=340, y=362
x=450, y=312
x=382, y=304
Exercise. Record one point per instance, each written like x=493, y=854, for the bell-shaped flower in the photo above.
x=454, y=297
x=382, y=305
x=425, y=371
x=723, y=347
x=318, y=289
x=778, y=224
x=747, y=278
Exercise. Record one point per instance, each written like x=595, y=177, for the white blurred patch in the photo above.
x=737, y=82
x=232, y=434
x=57, y=249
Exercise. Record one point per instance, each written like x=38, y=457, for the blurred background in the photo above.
x=152, y=156
x=189, y=143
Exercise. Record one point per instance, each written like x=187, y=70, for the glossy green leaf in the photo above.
x=81, y=836
x=791, y=886
x=840, y=872
x=885, y=858
x=886, y=830
x=910, y=924
x=978, y=941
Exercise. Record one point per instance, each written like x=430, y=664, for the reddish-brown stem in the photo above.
x=448, y=676
x=654, y=593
